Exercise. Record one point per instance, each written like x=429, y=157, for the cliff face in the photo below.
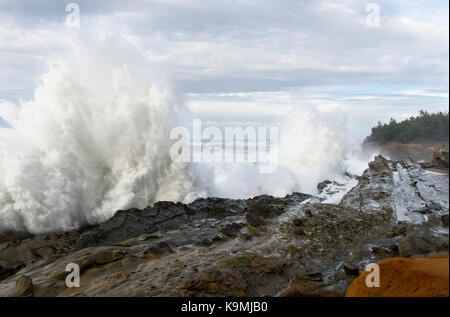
x=402, y=151
x=291, y=246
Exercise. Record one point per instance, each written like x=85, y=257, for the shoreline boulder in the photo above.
x=406, y=277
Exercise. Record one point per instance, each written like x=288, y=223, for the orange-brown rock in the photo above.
x=406, y=277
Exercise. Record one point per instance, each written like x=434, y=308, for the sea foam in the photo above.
x=95, y=139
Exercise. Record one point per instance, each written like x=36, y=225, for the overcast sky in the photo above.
x=255, y=56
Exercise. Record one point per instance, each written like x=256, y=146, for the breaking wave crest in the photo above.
x=94, y=140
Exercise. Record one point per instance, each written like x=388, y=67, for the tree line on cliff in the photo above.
x=426, y=127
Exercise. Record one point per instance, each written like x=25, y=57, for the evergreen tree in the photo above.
x=426, y=127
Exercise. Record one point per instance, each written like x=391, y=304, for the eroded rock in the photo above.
x=401, y=277
x=252, y=247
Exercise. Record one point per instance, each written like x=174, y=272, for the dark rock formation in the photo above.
x=231, y=230
x=286, y=246
x=351, y=269
x=298, y=221
x=323, y=184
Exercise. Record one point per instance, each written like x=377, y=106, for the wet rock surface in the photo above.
x=277, y=246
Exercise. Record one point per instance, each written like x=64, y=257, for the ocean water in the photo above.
x=95, y=139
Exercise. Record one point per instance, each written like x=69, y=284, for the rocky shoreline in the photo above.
x=264, y=246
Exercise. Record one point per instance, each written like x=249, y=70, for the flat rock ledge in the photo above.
x=264, y=246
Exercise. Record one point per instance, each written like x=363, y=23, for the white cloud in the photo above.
x=236, y=46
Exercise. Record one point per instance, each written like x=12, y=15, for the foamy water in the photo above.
x=95, y=139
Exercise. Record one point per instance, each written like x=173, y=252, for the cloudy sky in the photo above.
x=251, y=57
